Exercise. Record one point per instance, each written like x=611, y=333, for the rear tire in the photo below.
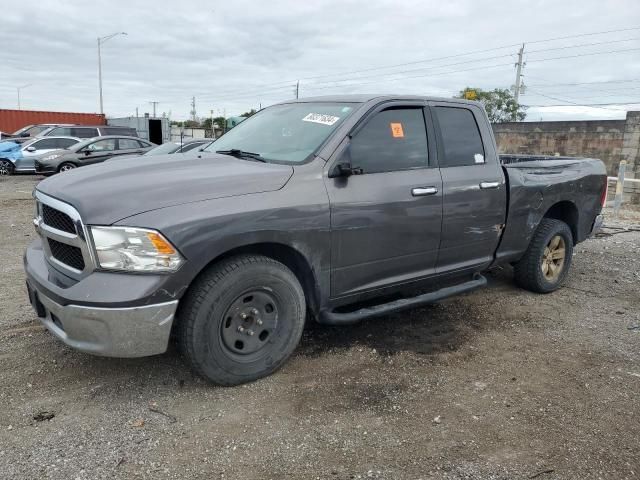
x=6, y=167
x=547, y=260
x=241, y=319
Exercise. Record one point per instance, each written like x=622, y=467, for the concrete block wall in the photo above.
x=609, y=140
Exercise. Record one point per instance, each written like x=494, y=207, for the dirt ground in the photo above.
x=496, y=384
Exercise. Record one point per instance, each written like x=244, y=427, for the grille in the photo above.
x=57, y=219
x=67, y=254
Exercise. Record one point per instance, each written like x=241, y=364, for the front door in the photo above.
x=385, y=221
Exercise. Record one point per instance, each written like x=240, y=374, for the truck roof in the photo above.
x=363, y=98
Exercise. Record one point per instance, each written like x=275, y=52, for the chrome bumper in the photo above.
x=110, y=332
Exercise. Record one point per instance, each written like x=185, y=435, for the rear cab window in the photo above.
x=460, y=137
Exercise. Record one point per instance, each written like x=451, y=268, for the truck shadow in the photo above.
x=428, y=330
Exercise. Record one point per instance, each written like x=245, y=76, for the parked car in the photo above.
x=344, y=207
x=30, y=151
x=88, y=152
x=170, y=148
x=88, y=131
x=24, y=134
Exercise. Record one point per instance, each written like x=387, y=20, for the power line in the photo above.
x=433, y=59
x=584, y=45
x=583, y=83
x=575, y=103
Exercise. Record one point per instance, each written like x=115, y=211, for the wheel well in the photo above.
x=286, y=255
x=568, y=213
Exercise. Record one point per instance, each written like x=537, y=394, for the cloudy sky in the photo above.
x=236, y=55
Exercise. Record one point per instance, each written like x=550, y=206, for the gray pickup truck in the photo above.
x=333, y=208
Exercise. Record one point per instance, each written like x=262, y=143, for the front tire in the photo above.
x=547, y=260
x=6, y=167
x=65, y=167
x=241, y=319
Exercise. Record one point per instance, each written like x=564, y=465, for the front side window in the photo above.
x=65, y=142
x=287, y=133
x=62, y=131
x=45, y=144
x=394, y=139
x=461, y=140
x=102, y=145
x=83, y=132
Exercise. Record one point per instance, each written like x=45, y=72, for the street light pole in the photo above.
x=101, y=40
x=20, y=88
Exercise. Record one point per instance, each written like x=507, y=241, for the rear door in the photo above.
x=474, y=189
x=129, y=146
x=385, y=221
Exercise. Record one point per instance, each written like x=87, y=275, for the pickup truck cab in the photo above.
x=340, y=208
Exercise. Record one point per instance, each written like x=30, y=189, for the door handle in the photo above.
x=485, y=185
x=423, y=191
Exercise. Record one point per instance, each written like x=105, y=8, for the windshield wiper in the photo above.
x=235, y=152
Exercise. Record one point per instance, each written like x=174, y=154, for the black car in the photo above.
x=94, y=150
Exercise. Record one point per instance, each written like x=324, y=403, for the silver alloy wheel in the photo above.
x=67, y=166
x=6, y=167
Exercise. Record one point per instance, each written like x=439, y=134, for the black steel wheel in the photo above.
x=241, y=319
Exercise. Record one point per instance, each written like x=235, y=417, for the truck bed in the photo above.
x=540, y=183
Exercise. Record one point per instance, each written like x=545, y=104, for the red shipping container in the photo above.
x=12, y=120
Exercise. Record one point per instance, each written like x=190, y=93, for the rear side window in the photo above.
x=84, y=132
x=392, y=140
x=461, y=140
x=119, y=131
x=127, y=144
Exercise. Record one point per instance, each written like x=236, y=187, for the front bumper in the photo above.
x=134, y=327
x=44, y=168
x=597, y=225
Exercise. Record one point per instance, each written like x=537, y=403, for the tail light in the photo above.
x=605, y=190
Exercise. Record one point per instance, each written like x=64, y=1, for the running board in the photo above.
x=333, y=318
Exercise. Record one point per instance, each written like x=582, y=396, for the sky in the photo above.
x=238, y=55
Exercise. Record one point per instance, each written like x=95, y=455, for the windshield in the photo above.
x=164, y=149
x=285, y=133
x=31, y=130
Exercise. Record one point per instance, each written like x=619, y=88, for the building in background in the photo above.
x=156, y=130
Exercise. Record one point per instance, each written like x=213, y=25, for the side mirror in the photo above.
x=87, y=152
x=31, y=149
x=344, y=168
x=24, y=134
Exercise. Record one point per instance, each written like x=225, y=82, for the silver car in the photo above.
x=32, y=149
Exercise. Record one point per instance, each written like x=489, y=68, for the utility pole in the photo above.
x=297, y=89
x=519, y=66
x=193, y=108
x=213, y=130
x=101, y=40
x=154, y=108
x=20, y=88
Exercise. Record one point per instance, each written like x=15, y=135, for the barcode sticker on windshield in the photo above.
x=320, y=118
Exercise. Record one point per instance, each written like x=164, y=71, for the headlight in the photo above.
x=51, y=157
x=134, y=250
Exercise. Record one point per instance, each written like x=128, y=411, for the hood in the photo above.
x=110, y=191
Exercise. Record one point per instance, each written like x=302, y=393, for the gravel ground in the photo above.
x=500, y=383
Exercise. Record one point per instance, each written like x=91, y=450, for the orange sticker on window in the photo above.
x=396, y=130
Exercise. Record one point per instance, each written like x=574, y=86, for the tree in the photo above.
x=249, y=113
x=499, y=103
